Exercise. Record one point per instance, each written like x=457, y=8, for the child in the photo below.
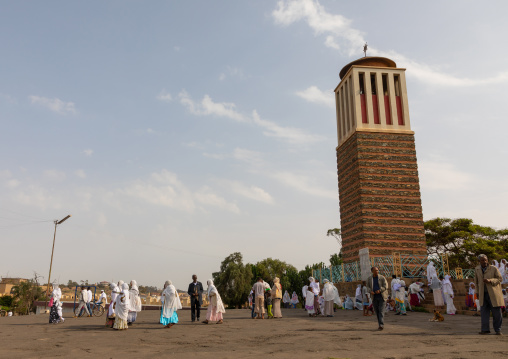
x=365, y=299
x=471, y=297
x=309, y=302
x=321, y=302
x=294, y=300
x=60, y=314
x=268, y=300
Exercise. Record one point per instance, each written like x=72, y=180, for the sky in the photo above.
x=177, y=133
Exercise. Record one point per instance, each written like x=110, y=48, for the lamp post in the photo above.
x=51, y=263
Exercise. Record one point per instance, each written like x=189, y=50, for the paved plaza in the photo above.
x=347, y=335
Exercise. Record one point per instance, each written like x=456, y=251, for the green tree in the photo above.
x=233, y=281
x=26, y=293
x=463, y=241
x=336, y=259
x=6, y=301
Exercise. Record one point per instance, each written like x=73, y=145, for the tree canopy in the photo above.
x=464, y=240
x=233, y=281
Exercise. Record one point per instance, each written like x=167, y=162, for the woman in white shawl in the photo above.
x=348, y=303
x=171, y=303
x=286, y=299
x=122, y=304
x=358, y=297
x=309, y=302
x=110, y=316
x=431, y=273
x=503, y=268
x=294, y=300
x=56, y=294
x=135, y=302
x=216, y=308
x=276, y=294
x=331, y=296
x=448, y=293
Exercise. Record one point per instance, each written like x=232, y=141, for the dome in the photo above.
x=368, y=61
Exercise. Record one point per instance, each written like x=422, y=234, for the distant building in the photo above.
x=6, y=285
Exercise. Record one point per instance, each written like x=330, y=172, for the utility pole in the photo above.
x=51, y=263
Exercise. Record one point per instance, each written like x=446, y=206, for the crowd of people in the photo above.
x=485, y=294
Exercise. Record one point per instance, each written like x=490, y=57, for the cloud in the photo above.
x=54, y=175
x=232, y=72
x=80, y=173
x=54, y=104
x=206, y=196
x=88, y=152
x=225, y=109
x=12, y=183
x=289, y=134
x=215, y=156
x=5, y=174
x=207, y=107
x=338, y=28
x=304, y=184
x=330, y=42
x=315, y=95
x=250, y=192
x=444, y=176
x=252, y=157
x=165, y=189
x=8, y=98
x=164, y=96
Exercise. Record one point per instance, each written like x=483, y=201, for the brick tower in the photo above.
x=379, y=191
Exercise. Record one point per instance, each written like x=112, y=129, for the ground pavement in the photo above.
x=347, y=335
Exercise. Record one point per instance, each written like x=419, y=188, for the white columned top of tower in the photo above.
x=372, y=96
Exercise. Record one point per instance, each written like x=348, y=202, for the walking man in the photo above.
x=195, y=292
x=83, y=298
x=377, y=285
x=487, y=280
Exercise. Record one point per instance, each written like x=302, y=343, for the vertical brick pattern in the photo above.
x=379, y=191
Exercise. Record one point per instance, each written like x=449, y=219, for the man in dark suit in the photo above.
x=195, y=292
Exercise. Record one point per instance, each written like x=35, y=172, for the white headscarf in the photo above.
x=471, y=289
x=213, y=291
x=294, y=298
x=135, y=301
x=286, y=298
x=114, y=294
x=57, y=292
x=447, y=285
x=495, y=264
x=314, y=286
x=122, y=303
x=330, y=292
x=134, y=286
x=431, y=272
x=171, y=300
x=358, y=293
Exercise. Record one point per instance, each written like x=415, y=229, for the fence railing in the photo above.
x=408, y=265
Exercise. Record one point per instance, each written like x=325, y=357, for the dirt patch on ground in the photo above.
x=347, y=335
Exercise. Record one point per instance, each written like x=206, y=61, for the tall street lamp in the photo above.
x=51, y=263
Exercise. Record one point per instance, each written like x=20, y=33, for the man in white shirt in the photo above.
x=90, y=297
x=83, y=298
x=103, y=299
x=314, y=285
x=259, y=295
